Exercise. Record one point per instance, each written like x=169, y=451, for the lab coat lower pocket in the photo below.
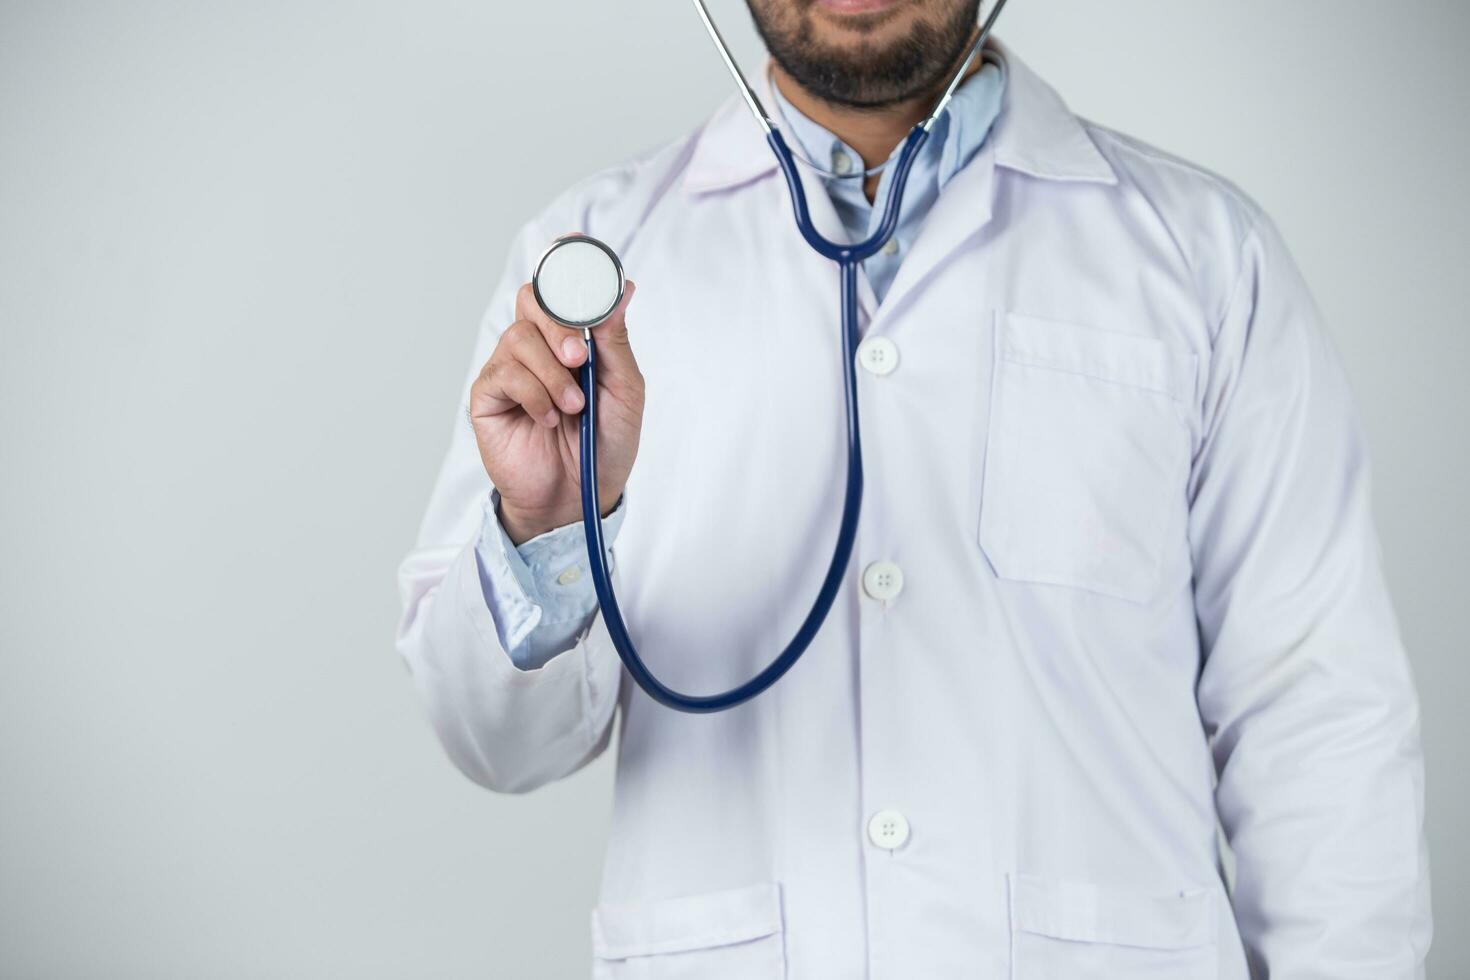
x=1069, y=930
x=726, y=934
x=1087, y=455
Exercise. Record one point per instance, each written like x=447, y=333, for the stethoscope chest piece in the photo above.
x=578, y=281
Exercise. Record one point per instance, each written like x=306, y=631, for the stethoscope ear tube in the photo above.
x=831, y=585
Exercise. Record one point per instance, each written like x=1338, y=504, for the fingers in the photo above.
x=565, y=342
x=507, y=384
x=523, y=372
x=525, y=342
x=613, y=346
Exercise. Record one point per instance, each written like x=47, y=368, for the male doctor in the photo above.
x=1116, y=578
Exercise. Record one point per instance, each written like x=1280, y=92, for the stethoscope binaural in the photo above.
x=578, y=282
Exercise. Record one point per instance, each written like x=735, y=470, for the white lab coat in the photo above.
x=1119, y=471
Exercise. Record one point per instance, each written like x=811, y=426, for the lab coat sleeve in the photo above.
x=1305, y=689
x=507, y=728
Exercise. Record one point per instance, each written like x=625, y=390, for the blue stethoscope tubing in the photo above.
x=847, y=258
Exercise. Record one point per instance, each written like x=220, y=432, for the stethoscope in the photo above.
x=579, y=282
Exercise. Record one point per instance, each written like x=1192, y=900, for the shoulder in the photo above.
x=1161, y=173
x=1208, y=218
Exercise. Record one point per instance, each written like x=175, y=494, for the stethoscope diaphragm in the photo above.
x=578, y=281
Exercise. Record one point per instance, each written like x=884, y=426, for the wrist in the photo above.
x=523, y=525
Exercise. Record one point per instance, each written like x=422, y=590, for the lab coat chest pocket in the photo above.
x=1087, y=455
x=731, y=934
x=1066, y=930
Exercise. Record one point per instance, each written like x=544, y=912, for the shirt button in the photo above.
x=890, y=247
x=882, y=580
x=841, y=162
x=888, y=829
x=878, y=355
x=569, y=577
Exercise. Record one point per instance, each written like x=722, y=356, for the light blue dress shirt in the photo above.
x=540, y=594
x=956, y=138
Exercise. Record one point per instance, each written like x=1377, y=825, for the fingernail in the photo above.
x=552, y=419
x=570, y=347
x=571, y=399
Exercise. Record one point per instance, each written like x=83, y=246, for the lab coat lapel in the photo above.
x=730, y=152
x=963, y=208
x=1035, y=134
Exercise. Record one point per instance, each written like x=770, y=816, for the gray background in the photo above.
x=243, y=250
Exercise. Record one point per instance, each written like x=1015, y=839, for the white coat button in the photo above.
x=878, y=355
x=888, y=829
x=890, y=247
x=570, y=577
x=841, y=162
x=882, y=580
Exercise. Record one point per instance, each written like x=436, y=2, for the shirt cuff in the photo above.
x=541, y=591
x=552, y=568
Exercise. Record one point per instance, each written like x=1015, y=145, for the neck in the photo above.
x=873, y=133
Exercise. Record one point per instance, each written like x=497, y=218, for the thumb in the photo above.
x=614, y=349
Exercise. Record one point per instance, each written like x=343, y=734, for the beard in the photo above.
x=871, y=74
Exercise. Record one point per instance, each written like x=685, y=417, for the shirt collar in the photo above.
x=1035, y=134
x=957, y=136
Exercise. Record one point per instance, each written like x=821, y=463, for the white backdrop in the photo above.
x=243, y=250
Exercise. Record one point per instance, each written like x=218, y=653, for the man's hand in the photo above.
x=524, y=407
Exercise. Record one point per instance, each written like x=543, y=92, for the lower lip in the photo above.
x=857, y=6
